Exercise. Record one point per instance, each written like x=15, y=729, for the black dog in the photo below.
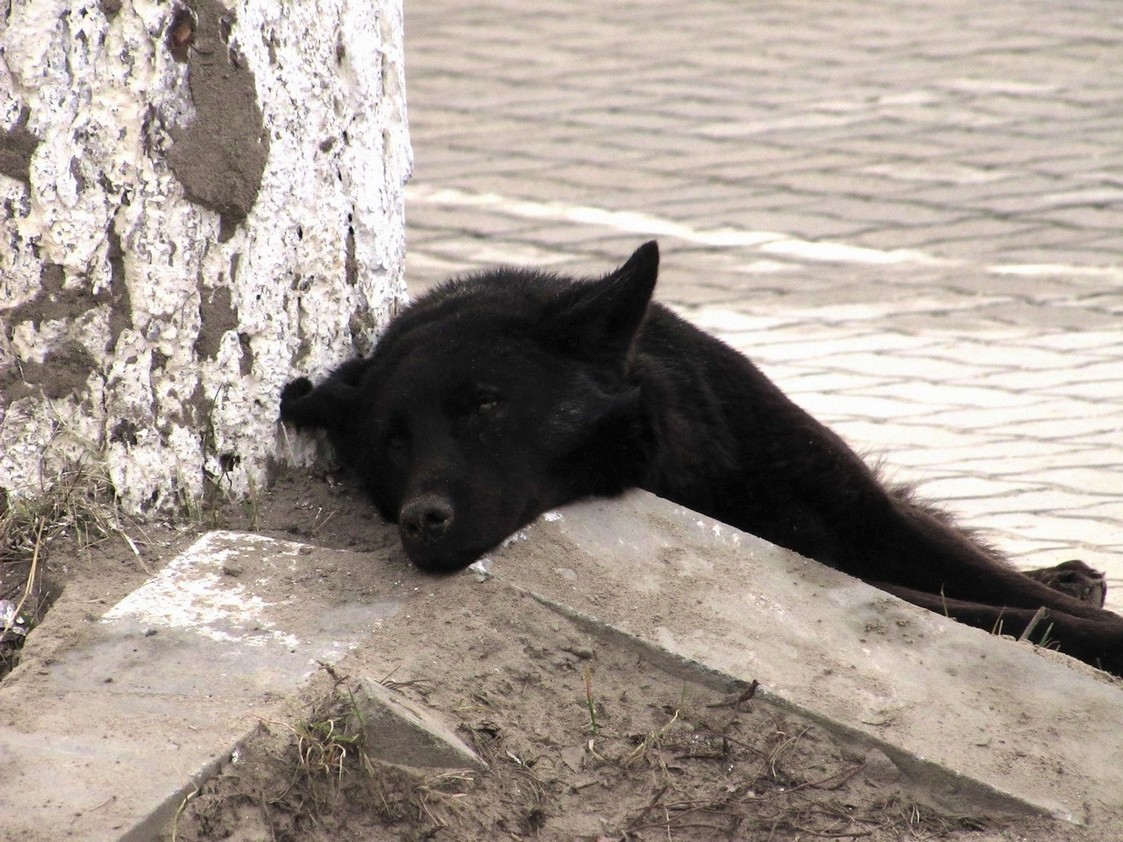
x=496, y=397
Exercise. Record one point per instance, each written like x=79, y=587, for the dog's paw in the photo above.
x=294, y=390
x=1076, y=579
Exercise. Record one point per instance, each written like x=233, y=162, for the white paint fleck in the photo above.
x=481, y=568
x=1108, y=273
x=647, y=225
x=513, y=538
x=194, y=593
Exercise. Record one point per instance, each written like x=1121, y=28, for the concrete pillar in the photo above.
x=196, y=201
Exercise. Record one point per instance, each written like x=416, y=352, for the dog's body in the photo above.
x=496, y=397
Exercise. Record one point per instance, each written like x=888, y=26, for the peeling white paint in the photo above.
x=102, y=96
x=194, y=593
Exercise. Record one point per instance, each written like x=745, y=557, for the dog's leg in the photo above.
x=915, y=549
x=1097, y=642
x=927, y=561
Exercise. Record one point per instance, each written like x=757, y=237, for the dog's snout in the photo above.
x=426, y=518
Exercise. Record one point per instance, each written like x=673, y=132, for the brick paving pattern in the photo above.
x=909, y=215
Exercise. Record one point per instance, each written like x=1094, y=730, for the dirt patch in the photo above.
x=584, y=738
x=60, y=536
x=583, y=741
x=17, y=145
x=220, y=156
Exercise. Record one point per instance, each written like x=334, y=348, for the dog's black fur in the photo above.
x=496, y=397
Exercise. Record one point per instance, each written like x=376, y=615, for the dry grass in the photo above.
x=77, y=503
x=319, y=769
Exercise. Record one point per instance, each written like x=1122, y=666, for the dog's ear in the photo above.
x=601, y=318
x=326, y=406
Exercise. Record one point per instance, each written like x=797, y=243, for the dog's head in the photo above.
x=494, y=398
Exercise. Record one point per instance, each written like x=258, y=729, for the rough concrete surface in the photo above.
x=406, y=735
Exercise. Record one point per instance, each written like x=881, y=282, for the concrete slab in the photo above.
x=105, y=742
x=977, y=715
x=404, y=734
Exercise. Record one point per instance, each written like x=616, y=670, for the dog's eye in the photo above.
x=486, y=402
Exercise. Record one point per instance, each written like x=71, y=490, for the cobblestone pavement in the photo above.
x=909, y=215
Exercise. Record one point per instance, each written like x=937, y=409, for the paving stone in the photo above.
x=960, y=395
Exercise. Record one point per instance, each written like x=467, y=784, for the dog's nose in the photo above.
x=426, y=518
